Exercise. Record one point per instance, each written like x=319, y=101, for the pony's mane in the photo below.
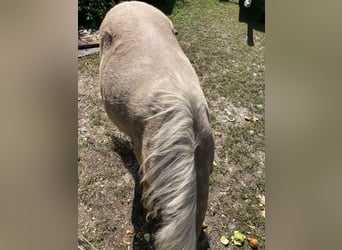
x=170, y=173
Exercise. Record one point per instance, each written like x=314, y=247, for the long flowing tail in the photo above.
x=170, y=175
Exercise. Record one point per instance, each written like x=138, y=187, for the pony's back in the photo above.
x=152, y=93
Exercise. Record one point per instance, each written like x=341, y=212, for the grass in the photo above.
x=232, y=76
x=83, y=193
x=96, y=119
x=233, y=72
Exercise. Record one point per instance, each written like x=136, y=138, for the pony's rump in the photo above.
x=152, y=93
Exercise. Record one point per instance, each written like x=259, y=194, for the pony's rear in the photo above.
x=152, y=93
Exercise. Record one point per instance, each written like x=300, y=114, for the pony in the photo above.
x=152, y=93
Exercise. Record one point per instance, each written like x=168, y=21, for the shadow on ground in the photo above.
x=125, y=150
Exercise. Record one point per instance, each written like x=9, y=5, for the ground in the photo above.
x=232, y=75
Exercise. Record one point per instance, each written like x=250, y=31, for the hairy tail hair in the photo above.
x=171, y=176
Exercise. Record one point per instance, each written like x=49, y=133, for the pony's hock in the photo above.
x=152, y=93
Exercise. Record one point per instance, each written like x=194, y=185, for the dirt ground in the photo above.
x=232, y=75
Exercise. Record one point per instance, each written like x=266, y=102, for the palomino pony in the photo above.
x=152, y=93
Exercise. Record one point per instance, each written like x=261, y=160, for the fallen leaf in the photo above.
x=139, y=235
x=263, y=213
x=126, y=241
x=147, y=237
x=254, y=243
x=224, y=240
x=238, y=238
x=129, y=232
x=231, y=119
x=248, y=118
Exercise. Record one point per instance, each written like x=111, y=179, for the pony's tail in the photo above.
x=170, y=175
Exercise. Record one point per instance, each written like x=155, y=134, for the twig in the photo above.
x=83, y=238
